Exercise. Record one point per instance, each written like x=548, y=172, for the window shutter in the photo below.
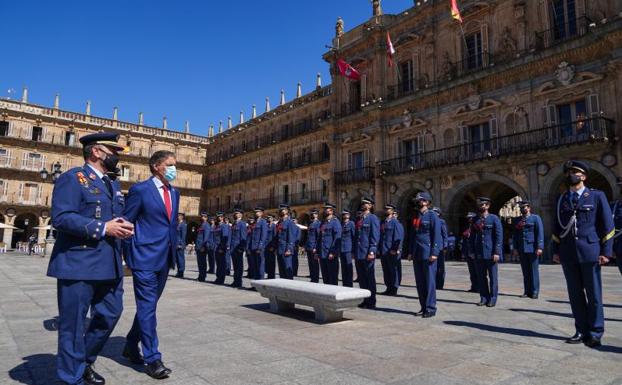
x=363, y=88
x=29, y=133
x=593, y=107
x=420, y=144
x=21, y=190
x=39, y=189
x=25, y=159
x=43, y=162
x=366, y=160
x=350, y=165
x=415, y=69
x=5, y=187
x=485, y=50
x=552, y=115
x=494, y=134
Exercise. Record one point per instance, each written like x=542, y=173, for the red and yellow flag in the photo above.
x=455, y=11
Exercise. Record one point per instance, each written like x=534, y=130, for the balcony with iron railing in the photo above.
x=272, y=202
x=562, y=32
x=354, y=175
x=594, y=130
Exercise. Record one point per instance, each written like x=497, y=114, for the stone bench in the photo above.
x=328, y=301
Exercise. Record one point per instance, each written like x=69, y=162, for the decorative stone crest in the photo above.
x=474, y=102
x=407, y=119
x=339, y=27
x=565, y=73
x=507, y=45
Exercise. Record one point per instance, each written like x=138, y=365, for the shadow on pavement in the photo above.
x=41, y=366
x=114, y=349
x=438, y=299
x=505, y=330
x=393, y=310
x=297, y=313
x=554, y=313
x=568, y=303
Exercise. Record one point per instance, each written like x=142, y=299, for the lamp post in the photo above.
x=56, y=172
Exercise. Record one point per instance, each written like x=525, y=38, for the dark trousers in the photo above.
x=530, y=265
x=619, y=260
x=221, y=266
x=330, y=270
x=237, y=258
x=366, y=273
x=180, y=260
x=270, y=263
x=295, y=261
x=256, y=264
x=586, y=299
x=390, y=271
x=228, y=262
x=211, y=261
x=425, y=277
x=148, y=287
x=346, y=269
x=440, y=270
x=472, y=274
x=488, y=280
x=79, y=345
x=314, y=266
x=286, y=267
x=202, y=263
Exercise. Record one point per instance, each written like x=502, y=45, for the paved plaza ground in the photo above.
x=218, y=335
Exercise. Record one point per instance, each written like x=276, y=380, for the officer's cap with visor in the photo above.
x=108, y=139
x=423, y=196
x=576, y=165
x=481, y=200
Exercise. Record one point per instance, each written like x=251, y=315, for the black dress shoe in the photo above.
x=420, y=312
x=133, y=355
x=219, y=282
x=210, y=272
x=481, y=303
x=592, y=342
x=179, y=275
x=524, y=296
x=370, y=306
x=428, y=315
x=534, y=296
x=236, y=285
x=472, y=290
x=91, y=377
x=157, y=370
x=362, y=305
x=491, y=304
x=576, y=339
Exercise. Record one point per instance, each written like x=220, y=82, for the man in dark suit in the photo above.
x=152, y=206
x=180, y=255
x=86, y=213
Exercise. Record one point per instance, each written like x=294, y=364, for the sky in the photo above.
x=195, y=60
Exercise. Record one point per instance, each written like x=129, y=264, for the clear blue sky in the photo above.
x=199, y=60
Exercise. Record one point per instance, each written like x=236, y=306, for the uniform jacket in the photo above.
x=527, y=234
x=286, y=236
x=486, y=237
x=199, y=242
x=444, y=232
x=425, y=237
x=367, y=236
x=259, y=236
x=221, y=236
x=155, y=236
x=348, y=232
x=182, y=231
x=616, y=210
x=238, y=235
x=81, y=205
x=390, y=237
x=401, y=236
x=330, y=236
x=272, y=238
x=313, y=233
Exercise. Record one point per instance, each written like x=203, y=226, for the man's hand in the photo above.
x=433, y=258
x=393, y=252
x=539, y=252
x=371, y=256
x=556, y=258
x=495, y=258
x=316, y=257
x=331, y=257
x=602, y=260
x=119, y=228
x=314, y=251
x=515, y=252
x=287, y=252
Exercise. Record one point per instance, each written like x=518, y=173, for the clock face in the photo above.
x=10, y=212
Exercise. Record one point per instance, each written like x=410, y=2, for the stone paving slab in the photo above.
x=219, y=335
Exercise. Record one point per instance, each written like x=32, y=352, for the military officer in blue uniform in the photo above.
x=465, y=243
x=366, y=249
x=330, y=245
x=616, y=210
x=199, y=247
x=286, y=241
x=425, y=244
x=87, y=205
x=390, y=243
x=401, y=236
x=180, y=255
x=348, y=232
x=528, y=244
x=210, y=245
x=582, y=236
x=271, y=248
x=257, y=245
x=238, y=246
x=221, y=236
x=298, y=238
x=311, y=246
x=487, y=250
x=440, y=271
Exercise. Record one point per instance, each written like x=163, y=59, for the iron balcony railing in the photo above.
x=471, y=63
x=403, y=88
x=578, y=132
x=561, y=32
x=294, y=199
x=354, y=175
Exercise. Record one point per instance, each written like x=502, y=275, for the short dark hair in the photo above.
x=87, y=151
x=159, y=157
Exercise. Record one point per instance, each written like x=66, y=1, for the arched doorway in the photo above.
x=24, y=224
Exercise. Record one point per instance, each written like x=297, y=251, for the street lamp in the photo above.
x=56, y=172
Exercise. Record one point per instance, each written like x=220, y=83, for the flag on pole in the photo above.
x=390, y=50
x=347, y=70
x=455, y=11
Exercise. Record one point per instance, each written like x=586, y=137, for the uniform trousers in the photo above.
x=425, y=277
x=180, y=259
x=488, y=280
x=201, y=263
x=286, y=267
x=366, y=273
x=211, y=261
x=346, y=268
x=472, y=273
x=330, y=270
x=237, y=257
x=270, y=258
x=440, y=270
x=256, y=264
x=221, y=266
x=314, y=266
x=584, y=285
x=390, y=270
x=530, y=265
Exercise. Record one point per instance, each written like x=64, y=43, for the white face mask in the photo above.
x=170, y=173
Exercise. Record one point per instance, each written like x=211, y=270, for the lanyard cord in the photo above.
x=572, y=223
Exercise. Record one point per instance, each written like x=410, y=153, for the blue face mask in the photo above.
x=171, y=173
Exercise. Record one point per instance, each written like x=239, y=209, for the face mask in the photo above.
x=171, y=173
x=523, y=211
x=481, y=209
x=418, y=205
x=110, y=163
x=573, y=179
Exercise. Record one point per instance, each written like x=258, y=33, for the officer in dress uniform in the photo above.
x=582, y=241
x=487, y=249
x=330, y=245
x=365, y=249
x=424, y=246
x=210, y=245
x=311, y=246
x=401, y=236
x=297, y=237
x=249, y=229
x=222, y=242
x=390, y=242
x=348, y=232
x=527, y=244
x=616, y=209
x=87, y=206
x=238, y=246
x=440, y=271
x=180, y=255
x=257, y=243
x=271, y=248
x=286, y=241
x=199, y=247
x=465, y=243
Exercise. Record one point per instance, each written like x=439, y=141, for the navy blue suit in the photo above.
x=257, y=244
x=366, y=242
x=579, y=248
x=329, y=244
x=313, y=233
x=440, y=270
x=348, y=232
x=391, y=238
x=221, y=236
x=88, y=268
x=271, y=249
x=616, y=210
x=239, y=234
x=286, y=242
x=201, y=250
x=180, y=255
x=527, y=238
x=425, y=241
x=486, y=241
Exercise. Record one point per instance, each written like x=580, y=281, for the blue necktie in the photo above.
x=575, y=200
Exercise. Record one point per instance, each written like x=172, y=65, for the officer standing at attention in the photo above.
x=286, y=241
x=465, y=244
x=86, y=260
x=616, y=209
x=180, y=256
x=528, y=243
x=313, y=232
x=390, y=242
x=583, y=233
x=348, y=232
x=401, y=236
x=330, y=245
x=249, y=229
x=238, y=246
x=440, y=271
x=221, y=238
x=365, y=249
x=424, y=246
x=257, y=245
x=487, y=249
x=271, y=248
x=199, y=247
x=297, y=237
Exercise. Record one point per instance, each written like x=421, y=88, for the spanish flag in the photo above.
x=455, y=12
